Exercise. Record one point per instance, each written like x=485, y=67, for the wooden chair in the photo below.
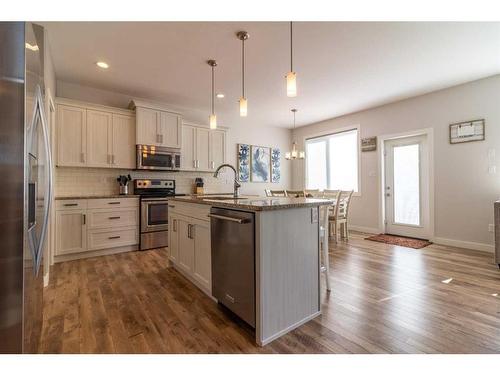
x=277, y=193
x=323, y=235
x=339, y=219
x=333, y=195
x=313, y=193
x=295, y=193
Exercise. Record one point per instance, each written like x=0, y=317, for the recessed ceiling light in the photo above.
x=102, y=64
x=219, y=95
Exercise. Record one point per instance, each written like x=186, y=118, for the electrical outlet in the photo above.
x=491, y=228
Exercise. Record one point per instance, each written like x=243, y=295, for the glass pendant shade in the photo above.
x=302, y=155
x=213, y=121
x=288, y=156
x=243, y=107
x=291, y=84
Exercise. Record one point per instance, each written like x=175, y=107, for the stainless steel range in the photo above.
x=154, y=211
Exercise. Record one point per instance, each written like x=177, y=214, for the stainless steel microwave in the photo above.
x=158, y=158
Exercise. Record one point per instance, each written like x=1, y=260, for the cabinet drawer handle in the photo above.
x=113, y=217
x=175, y=225
x=171, y=206
x=114, y=202
x=113, y=237
x=70, y=204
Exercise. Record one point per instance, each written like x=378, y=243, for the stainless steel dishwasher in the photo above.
x=233, y=261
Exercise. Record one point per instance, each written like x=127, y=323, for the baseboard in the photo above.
x=364, y=229
x=437, y=240
x=94, y=253
x=464, y=244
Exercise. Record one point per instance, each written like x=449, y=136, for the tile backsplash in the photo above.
x=101, y=181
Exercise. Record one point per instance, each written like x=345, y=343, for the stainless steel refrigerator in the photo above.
x=25, y=185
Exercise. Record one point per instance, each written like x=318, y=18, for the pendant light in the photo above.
x=291, y=77
x=294, y=154
x=243, y=35
x=213, y=118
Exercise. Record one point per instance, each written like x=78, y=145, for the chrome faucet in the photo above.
x=236, y=193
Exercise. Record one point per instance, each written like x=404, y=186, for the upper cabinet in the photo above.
x=202, y=149
x=123, y=137
x=71, y=136
x=99, y=143
x=156, y=126
x=94, y=136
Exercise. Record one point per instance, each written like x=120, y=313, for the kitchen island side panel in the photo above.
x=287, y=274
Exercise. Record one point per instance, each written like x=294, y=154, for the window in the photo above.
x=332, y=161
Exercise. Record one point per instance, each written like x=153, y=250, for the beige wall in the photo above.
x=464, y=190
x=272, y=137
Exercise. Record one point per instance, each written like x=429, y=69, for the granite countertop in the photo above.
x=108, y=196
x=257, y=203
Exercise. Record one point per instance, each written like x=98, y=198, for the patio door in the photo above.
x=406, y=189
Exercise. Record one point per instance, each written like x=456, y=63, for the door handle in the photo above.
x=229, y=218
x=84, y=219
x=175, y=225
x=212, y=163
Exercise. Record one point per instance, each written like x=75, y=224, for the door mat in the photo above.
x=390, y=239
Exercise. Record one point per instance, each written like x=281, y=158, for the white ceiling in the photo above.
x=341, y=67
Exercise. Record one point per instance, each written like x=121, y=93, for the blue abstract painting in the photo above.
x=261, y=164
x=275, y=165
x=243, y=162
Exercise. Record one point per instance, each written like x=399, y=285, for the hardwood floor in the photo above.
x=384, y=299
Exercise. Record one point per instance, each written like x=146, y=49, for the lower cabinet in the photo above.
x=84, y=226
x=190, y=251
x=71, y=232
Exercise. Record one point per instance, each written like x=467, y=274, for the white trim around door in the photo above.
x=383, y=141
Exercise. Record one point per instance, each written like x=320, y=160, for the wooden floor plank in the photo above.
x=384, y=299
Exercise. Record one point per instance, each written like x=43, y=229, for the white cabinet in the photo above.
x=146, y=126
x=71, y=136
x=189, y=243
x=87, y=225
x=94, y=136
x=186, y=245
x=173, y=237
x=158, y=127
x=202, y=149
x=170, y=129
x=188, y=160
x=71, y=233
x=202, y=267
x=217, y=148
x=123, y=140
x=202, y=146
x=99, y=134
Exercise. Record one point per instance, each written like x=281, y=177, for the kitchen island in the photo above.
x=267, y=271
